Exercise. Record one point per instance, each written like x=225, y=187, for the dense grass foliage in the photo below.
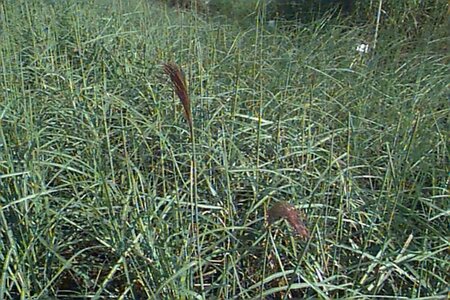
x=104, y=192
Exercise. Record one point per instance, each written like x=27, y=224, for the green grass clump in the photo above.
x=105, y=192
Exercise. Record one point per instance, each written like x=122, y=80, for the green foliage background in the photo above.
x=103, y=193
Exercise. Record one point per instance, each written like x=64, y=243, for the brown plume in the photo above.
x=287, y=211
x=179, y=83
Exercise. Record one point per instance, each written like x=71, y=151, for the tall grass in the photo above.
x=99, y=195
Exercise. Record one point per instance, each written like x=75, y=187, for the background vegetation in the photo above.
x=103, y=194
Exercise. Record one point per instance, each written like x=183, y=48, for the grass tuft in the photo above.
x=102, y=195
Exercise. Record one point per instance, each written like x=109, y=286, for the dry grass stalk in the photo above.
x=179, y=83
x=287, y=211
